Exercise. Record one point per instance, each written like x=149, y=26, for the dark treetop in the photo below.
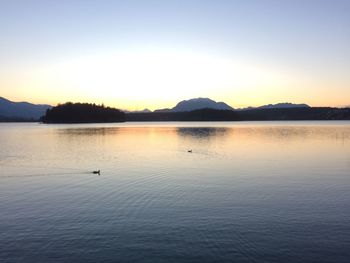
x=82, y=113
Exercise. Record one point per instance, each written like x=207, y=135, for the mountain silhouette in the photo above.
x=142, y=111
x=284, y=105
x=21, y=110
x=206, y=103
x=197, y=104
x=199, y=109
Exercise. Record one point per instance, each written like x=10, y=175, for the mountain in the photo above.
x=21, y=110
x=200, y=103
x=163, y=110
x=285, y=105
x=142, y=111
x=197, y=104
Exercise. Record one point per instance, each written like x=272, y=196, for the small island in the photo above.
x=82, y=113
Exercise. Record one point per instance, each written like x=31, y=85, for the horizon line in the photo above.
x=131, y=109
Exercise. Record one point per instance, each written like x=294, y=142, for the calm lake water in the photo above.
x=248, y=192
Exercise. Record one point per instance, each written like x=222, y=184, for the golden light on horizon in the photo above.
x=134, y=80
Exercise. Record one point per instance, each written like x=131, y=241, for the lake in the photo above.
x=248, y=192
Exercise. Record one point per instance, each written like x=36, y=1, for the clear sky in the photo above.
x=137, y=54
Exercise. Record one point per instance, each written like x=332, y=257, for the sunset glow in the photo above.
x=143, y=65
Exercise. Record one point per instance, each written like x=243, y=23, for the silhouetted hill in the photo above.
x=197, y=104
x=200, y=103
x=284, y=105
x=163, y=110
x=82, y=113
x=142, y=111
x=21, y=110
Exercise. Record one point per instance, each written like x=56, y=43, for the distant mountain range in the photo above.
x=21, y=110
x=284, y=106
x=138, y=111
x=206, y=103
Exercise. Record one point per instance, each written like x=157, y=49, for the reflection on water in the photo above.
x=101, y=131
x=248, y=192
x=266, y=133
x=202, y=132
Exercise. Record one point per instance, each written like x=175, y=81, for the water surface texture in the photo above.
x=248, y=192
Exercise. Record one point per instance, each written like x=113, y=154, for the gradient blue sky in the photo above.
x=136, y=54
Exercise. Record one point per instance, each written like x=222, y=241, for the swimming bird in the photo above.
x=96, y=172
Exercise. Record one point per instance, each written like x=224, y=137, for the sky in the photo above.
x=151, y=54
